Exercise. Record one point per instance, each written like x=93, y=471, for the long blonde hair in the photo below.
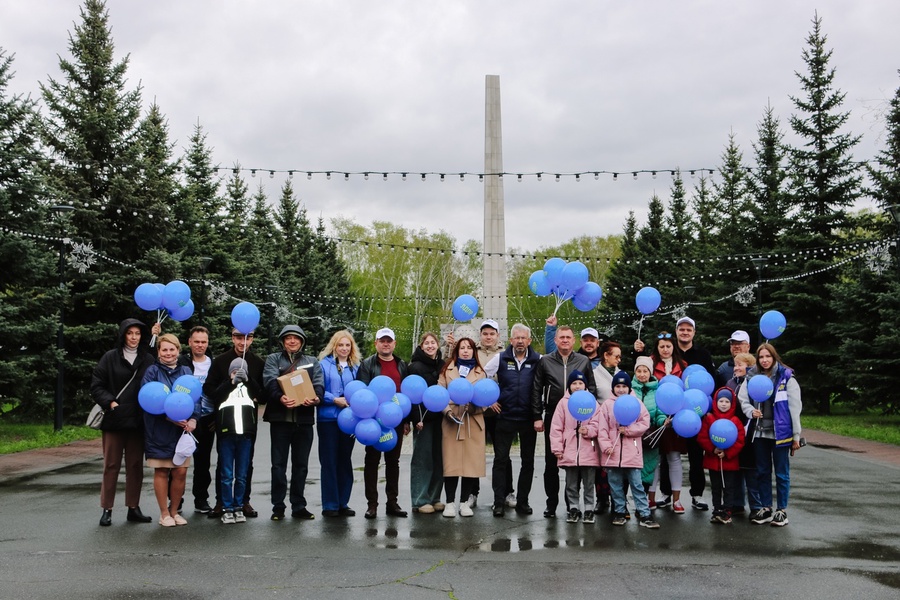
x=354, y=358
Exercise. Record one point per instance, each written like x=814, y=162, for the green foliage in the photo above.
x=19, y=437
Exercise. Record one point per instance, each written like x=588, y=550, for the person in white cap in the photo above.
x=738, y=343
x=384, y=362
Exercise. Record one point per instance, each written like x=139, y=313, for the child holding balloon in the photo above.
x=623, y=420
x=722, y=438
x=573, y=432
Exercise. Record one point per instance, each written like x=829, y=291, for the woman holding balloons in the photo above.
x=667, y=360
x=162, y=434
x=114, y=386
x=772, y=399
x=463, y=439
x=426, y=468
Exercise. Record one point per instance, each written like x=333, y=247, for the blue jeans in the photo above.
x=234, y=462
x=294, y=441
x=426, y=469
x=617, y=478
x=767, y=455
x=335, y=450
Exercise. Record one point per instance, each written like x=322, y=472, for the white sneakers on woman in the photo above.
x=450, y=510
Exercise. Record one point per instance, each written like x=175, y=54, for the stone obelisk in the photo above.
x=494, y=299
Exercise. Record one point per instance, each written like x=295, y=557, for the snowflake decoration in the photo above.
x=745, y=294
x=878, y=259
x=609, y=331
x=636, y=325
x=282, y=314
x=217, y=294
x=82, y=256
x=680, y=312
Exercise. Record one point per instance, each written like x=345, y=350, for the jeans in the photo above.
x=426, y=468
x=501, y=473
x=751, y=481
x=292, y=440
x=206, y=439
x=335, y=450
x=617, y=480
x=580, y=478
x=234, y=463
x=767, y=455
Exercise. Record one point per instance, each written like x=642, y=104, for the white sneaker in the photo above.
x=472, y=501
x=465, y=510
x=511, y=500
x=228, y=518
x=239, y=517
x=450, y=510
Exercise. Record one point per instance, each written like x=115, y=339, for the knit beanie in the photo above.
x=621, y=378
x=576, y=375
x=238, y=363
x=644, y=361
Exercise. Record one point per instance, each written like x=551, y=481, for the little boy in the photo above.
x=235, y=426
x=722, y=463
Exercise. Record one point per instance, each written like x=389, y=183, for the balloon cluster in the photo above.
x=173, y=298
x=686, y=399
x=178, y=403
x=566, y=281
x=374, y=411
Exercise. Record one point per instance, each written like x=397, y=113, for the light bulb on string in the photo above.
x=328, y=175
x=309, y=175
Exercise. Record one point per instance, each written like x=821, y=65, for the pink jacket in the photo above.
x=577, y=450
x=628, y=450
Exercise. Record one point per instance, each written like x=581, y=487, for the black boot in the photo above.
x=136, y=516
x=106, y=518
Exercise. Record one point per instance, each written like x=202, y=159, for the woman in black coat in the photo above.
x=426, y=471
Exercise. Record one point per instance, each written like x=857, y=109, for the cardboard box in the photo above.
x=297, y=385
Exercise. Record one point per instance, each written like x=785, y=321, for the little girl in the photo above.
x=723, y=464
x=621, y=452
x=572, y=442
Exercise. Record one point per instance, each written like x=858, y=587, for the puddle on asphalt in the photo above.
x=833, y=447
x=857, y=549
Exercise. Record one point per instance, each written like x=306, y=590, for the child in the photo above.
x=645, y=390
x=621, y=453
x=744, y=367
x=235, y=426
x=572, y=442
x=723, y=465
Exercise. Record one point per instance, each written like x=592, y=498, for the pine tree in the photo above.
x=770, y=203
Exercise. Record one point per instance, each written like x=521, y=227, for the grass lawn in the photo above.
x=16, y=437
x=866, y=426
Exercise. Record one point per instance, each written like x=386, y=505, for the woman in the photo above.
x=426, y=469
x=667, y=360
x=610, y=356
x=777, y=434
x=114, y=386
x=462, y=429
x=340, y=363
x=162, y=435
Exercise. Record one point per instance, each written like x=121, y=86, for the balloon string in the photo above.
x=640, y=326
x=654, y=438
x=722, y=473
x=618, y=435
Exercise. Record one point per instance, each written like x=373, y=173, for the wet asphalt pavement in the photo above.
x=843, y=541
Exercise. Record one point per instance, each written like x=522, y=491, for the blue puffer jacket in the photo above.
x=516, y=385
x=160, y=434
x=336, y=379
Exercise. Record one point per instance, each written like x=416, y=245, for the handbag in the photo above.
x=95, y=417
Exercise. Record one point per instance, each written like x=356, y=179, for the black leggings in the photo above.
x=469, y=486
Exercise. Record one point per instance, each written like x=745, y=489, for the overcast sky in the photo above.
x=399, y=86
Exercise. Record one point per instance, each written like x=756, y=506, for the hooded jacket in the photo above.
x=577, y=450
x=111, y=375
x=730, y=461
x=628, y=451
x=278, y=364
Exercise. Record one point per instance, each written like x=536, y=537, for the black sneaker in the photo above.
x=303, y=514
x=663, y=502
x=699, y=504
x=278, y=514
x=573, y=516
x=763, y=516
x=648, y=522
x=588, y=516
x=549, y=514
x=618, y=519
x=202, y=507
x=779, y=519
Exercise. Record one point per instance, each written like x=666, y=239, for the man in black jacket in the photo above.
x=198, y=361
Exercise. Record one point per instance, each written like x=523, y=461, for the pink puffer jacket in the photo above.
x=577, y=450
x=627, y=451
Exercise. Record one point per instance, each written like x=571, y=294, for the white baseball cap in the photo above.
x=184, y=449
x=385, y=332
x=687, y=320
x=590, y=331
x=489, y=323
x=739, y=336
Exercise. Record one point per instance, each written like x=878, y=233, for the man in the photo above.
x=515, y=368
x=384, y=362
x=291, y=422
x=591, y=340
x=738, y=342
x=550, y=384
x=219, y=385
x=199, y=362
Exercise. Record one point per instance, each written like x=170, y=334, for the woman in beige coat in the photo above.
x=462, y=431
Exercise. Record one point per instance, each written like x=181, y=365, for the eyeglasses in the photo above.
x=664, y=336
x=242, y=336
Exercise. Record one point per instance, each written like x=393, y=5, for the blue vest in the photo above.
x=781, y=411
x=516, y=384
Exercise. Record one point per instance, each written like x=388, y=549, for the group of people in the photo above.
x=602, y=459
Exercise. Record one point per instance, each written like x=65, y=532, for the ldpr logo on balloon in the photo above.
x=465, y=308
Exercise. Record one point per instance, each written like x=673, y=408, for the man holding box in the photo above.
x=291, y=415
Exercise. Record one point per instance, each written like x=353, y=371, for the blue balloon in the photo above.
x=486, y=392
x=582, y=405
x=402, y=400
x=383, y=387
x=627, y=409
x=152, y=397
x=672, y=379
x=387, y=441
x=176, y=295
x=353, y=387
x=364, y=404
x=179, y=406
x=686, y=423
x=689, y=370
x=190, y=385
x=760, y=388
x=436, y=398
x=701, y=380
x=696, y=401
x=245, y=317
x=574, y=276
x=414, y=386
x=389, y=414
x=670, y=397
x=347, y=421
x=161, y=288
x=182, y=313
x=588, y=297
x=538, y=284
x=772, y=324
x=148, y=296
x=367, y=431
x=723, y=433
x=647, y=300
x=465, y=308
x=553, y=269
x=461, y=391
